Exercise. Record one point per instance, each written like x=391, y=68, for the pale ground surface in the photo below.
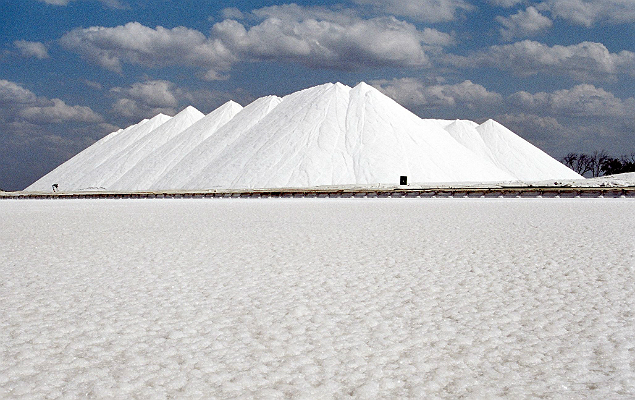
x=318, y=299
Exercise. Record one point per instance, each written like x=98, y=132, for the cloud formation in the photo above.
x=135, y=43
x=353, y=45
x=146, y=99
x=316, y=37
x=505, y=3
x=414, y=92
x=580, y=101
x=149, y=98
x=39, y=133
x=13, y=94
x=590, y=12
x=57, y=111
x=20, y=104
x=31, y=49
x=421, y=10
x=524, y=23
x=584, y=61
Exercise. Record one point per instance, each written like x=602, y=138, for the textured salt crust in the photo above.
x=325, y=135
x=357, y=298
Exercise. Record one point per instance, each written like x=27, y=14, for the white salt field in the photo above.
x=317, y=298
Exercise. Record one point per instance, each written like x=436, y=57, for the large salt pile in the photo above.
x=325, y=135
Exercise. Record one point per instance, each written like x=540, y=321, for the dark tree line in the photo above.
x=599, y=163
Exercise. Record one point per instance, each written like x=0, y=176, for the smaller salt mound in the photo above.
x=465, y=133
x=518, y=157
x=330, y=135
x=74, y=164
x=200, y=156
x=71, y=175
x=106, y=174
x=149, y=169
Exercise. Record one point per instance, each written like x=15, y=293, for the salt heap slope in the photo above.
x=71, y=175
x=149, y=169
x=115, y=167
x=334, y=135
x=510, y=152
x=325, y=135
x=199, y=157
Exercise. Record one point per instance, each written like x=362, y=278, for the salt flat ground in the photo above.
x=318, y=298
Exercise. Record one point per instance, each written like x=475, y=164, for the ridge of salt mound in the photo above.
x=321, y=136
x=70, y=175
x=106, y=174
x=149, y=169
x=202, y=154
x=519, y=157
x=444, y=123
x=466, y=134
x=75, y=162
x=332, y=134
x=418, y=148
x=266, y=155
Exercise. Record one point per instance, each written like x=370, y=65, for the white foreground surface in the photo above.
x=332, y=298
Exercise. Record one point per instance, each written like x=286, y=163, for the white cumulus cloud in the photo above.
x=12, y=94
x=505, y=3
x=582, y=100
x=422, y=10
x=109, y=3
x=312, y=36
x=414, y=92
x=157, y=93
x=321, y=37
x=18, y=104
x=146, y=99
x=523, y=23
x=585, y=61
x=57, y=111
x=31, y=49
x=357, y=44
x=135, y=43
x=590, y=12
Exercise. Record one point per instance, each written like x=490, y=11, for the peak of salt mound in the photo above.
x=329, y=134
x=466, y=134
x=155, y=164
x=117, y=166
x=205, y=151
x=519, y=157
x=70, y=175
x=275, y=151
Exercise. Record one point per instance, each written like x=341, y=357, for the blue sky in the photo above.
x=560, y=73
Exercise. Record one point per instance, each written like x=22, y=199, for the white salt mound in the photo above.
x=156, y=163
x=69, y=175
x=203, y=153
x=524, y=160
x=113, y=169
x=325, y=135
